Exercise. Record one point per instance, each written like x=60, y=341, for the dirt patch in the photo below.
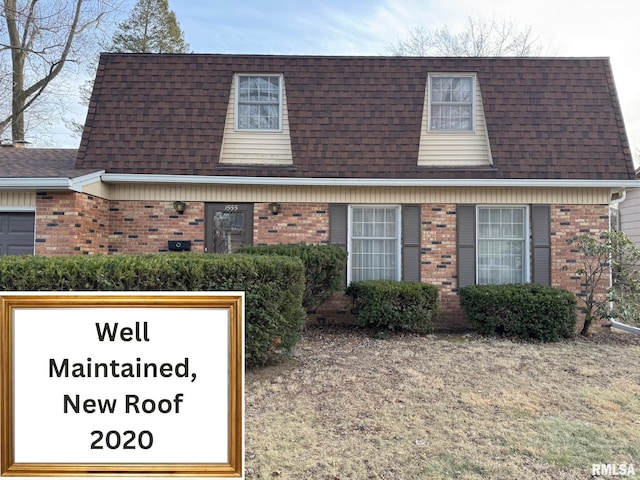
x=348, y=406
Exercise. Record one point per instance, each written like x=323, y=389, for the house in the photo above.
x=445, y=170
x=627, y=215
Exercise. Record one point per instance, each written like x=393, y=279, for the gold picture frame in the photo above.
x=26, y=317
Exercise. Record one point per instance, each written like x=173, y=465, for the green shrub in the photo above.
x=323, y=266
x=273, y=286
x=527, y=311
x=388, y=306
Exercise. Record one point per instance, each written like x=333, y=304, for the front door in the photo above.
x=228, y=226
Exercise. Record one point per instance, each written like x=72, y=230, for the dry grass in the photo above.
x=347, y=406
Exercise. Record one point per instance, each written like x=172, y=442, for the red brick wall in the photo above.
x=567, y=221
x=296, y=223
x=438, y=261
x=76, y=223
x=145, y=227
x=438, y=258
x=70, y=223
x=301, y=223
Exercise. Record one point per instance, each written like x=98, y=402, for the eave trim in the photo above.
x=50, y=183
x=363, y=182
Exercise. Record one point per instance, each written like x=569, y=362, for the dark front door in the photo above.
x=228, y=226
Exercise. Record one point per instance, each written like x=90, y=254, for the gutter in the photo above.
x=77, y=183
x=363, y=182
x=50, y=183
x=43, y=183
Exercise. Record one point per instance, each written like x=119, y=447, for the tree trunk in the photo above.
x=17, y=64
x=18, y=101
x=588, y=320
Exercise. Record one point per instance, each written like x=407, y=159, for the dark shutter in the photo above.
x=466, y=226
x=338, y=225
x=411, y=243
x=338, y=228
x=541, y=248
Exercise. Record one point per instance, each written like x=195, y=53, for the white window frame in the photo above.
x=526, y=260
x=398, y=237
x=280, y=78
x=472, y=77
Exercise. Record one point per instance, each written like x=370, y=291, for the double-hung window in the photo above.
x=374, y=253
x=502, y=249
x=451, y=102
x=259, y=102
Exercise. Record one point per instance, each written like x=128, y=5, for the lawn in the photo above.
x=348, y=406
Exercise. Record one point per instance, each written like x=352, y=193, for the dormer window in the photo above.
x=259, y=102
x=451, y=103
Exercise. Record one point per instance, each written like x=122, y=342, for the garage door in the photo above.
x=16, y=233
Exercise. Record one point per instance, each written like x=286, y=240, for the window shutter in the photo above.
x=338, y=225
x=466, y=226
x=411, y=243
x=338, y=220
x=541, y=235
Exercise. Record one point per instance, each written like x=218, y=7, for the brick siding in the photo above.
x=146, y=227
x=438, y=261
x=296, y=223
x=70, y=223
x=567, y=221
x=75, y=223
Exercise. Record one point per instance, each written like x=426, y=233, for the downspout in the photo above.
x=625, y=327
x=615, y=203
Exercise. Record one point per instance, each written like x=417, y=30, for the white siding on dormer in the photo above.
x=455, y=149
x=246, y=147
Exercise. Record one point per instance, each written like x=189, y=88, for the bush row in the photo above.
x=273, y=286
x=387, y=306
x=323, y=267
x=526, y=311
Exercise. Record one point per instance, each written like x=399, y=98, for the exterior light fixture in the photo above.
x=274, y=208
x=179, y=207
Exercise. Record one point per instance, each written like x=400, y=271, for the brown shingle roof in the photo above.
x=553, y=118
x=39, y=163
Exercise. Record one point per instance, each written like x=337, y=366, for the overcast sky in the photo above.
x=589, y=28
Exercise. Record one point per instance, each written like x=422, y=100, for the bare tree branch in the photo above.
x=42, y=38
x=481, y=37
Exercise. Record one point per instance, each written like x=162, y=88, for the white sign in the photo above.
x=99, y=383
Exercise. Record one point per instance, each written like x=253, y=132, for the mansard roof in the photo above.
x=356, y=117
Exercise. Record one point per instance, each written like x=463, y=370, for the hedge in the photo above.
x=324, y=267
x=273, y=286
x=526, y=311
x=387, y=305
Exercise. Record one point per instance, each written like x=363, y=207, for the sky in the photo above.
x=566, y=28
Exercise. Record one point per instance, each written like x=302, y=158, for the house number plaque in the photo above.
x=122, y=383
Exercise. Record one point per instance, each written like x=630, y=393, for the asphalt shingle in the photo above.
x=356, y=117
x=40, y=163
